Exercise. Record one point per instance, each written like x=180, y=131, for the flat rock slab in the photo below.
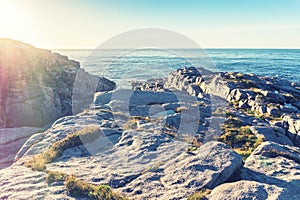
x=273, y=160
x=273, y=134
x=11, y=140
x=247, y=190
x=207, y=167
x=18, y=182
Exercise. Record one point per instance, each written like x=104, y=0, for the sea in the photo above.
x=126, y=65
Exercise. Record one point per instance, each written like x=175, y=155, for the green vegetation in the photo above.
x=255, y=114
x=38, y=162
x=79, y=188
x=250, y=112
x=192, y=148
x=55, y=176
x=239, y=137
x=219, y=112
x=200, y=195
x=229, y=114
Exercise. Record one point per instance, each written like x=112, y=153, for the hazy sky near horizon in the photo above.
x=212, y=24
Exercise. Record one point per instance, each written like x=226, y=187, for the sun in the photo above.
x=15, y=22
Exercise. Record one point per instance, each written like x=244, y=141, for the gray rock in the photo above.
x=273, y=134
x=186, y=79
x=136, y=97
x=274, y=97
x=217, y=86
x=207, y=167
x=273, y=160
x=237, y=95
x=11, y=140
x=273, y=111
x=296, y=104
x=292, y=124
x=201, y=170
x=247, y=190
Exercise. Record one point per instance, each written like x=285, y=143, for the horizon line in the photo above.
x=254, y=48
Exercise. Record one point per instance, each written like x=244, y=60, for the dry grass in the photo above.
x=239, y=75
x=256, y=90
x=79, y=188
x=38, y=162
x=55, y=176
x=219, y=112
x=200, y=195
x=133, y=122
x=244, y=153
x=240, y=138
x=180, y=109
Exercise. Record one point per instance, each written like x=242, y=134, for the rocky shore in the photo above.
x=36, y=89
x=195, y=134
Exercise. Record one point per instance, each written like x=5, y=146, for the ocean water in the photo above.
x=126, y=65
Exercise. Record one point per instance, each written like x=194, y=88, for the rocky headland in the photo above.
x=36, y=89
x=195, y=134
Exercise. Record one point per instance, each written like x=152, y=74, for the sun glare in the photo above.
x=14, y=21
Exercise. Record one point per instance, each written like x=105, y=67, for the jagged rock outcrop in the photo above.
x=36, y=85
x=271, y=98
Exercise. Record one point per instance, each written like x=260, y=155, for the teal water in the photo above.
x=152, y=63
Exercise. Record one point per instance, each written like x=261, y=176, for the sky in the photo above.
x=69, y=24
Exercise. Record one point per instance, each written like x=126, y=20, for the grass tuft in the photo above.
x=38, y=162
x=200, y=195
x=79, y=188
x=239, y=138
x=55, y=176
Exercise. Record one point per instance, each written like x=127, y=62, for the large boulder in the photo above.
x=247, y=190
x=273, y=133
x=275, y=170
x=186, y=79
x=207, y=167
x=275, y=162
x=292, y=124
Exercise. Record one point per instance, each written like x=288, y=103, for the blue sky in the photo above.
x=86, y=24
